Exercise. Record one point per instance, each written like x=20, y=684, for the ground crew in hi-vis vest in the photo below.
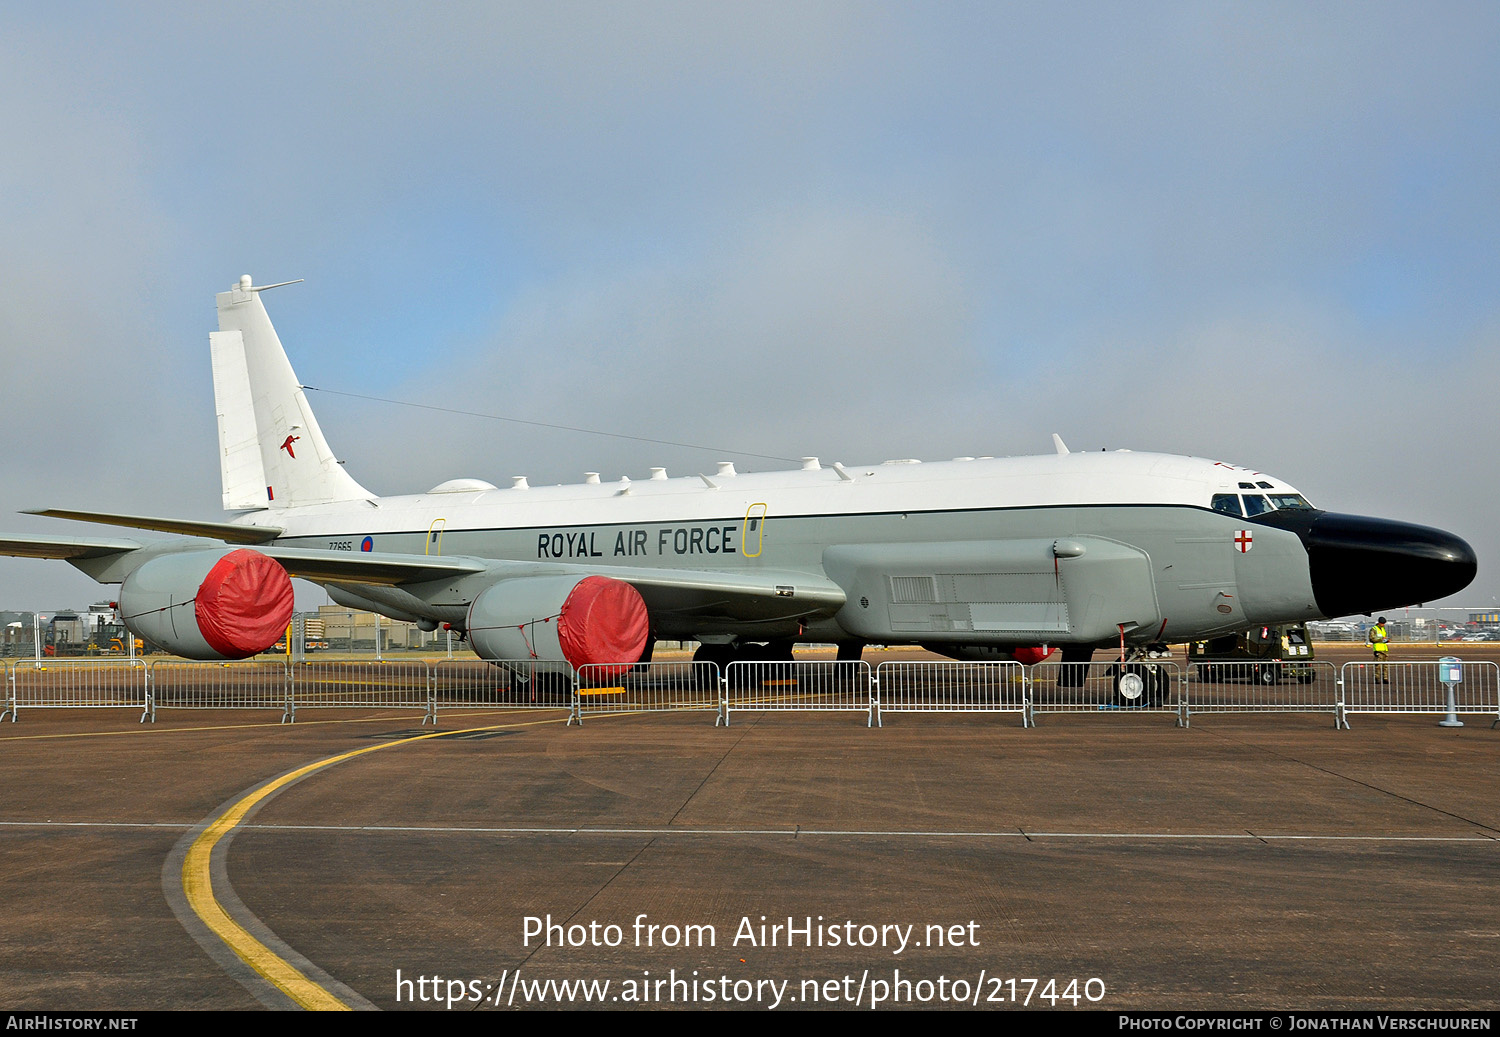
x=1380, y=642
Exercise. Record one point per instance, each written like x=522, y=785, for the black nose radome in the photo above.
x=1367, y=564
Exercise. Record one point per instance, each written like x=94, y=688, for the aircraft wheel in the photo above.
x=1156, y=686
x=643, y=663
x=1130, y=685
x=780, y=651
x=721, y=655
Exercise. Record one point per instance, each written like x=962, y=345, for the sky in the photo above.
x=1265, y=233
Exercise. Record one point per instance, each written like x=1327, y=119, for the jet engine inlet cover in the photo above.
x=244, y=604
x=560, y=621
x=602, y=621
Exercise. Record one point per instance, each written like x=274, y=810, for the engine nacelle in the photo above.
x=565, y=620
x=209, y=604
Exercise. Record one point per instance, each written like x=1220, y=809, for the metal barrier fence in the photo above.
x=1417, y=687
x=1304, y=687
x=945, y=687
x=512, y=683
x=214, y=685
x=1150, y=686
x=953, y=687
x=369, y=684
x=76, y=685
x=802, y=686
x=648, y=687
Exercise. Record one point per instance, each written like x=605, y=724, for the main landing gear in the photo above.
x=747, y=652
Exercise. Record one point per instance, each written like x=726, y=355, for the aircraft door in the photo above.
x=435, y=537
x=753, y=531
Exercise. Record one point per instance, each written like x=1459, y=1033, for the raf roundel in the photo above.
x=367, y=544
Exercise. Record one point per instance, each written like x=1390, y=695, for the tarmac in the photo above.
x=791, y=860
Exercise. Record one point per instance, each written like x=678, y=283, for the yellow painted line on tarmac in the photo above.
x=197, y=881
x=600, y=691
x=778, y=683
x=139, y=732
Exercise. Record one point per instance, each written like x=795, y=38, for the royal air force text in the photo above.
x=636, y=543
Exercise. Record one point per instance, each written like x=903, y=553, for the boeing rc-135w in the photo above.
x=988, y=556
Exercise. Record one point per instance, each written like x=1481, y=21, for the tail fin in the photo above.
x=272, y=453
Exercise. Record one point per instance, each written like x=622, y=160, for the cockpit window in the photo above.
x=1265, y=485
x=1247, y=486
x=1256, y=504
x=1228, y=503
x=1290, y=500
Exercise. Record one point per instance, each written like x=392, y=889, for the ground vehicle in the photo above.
x=1265, y=655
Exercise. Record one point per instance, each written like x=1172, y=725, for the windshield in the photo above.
x=1258, y=504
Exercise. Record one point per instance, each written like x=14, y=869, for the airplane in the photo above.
x=984, y=557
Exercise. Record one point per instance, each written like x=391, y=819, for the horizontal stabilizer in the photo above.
x=229, y=532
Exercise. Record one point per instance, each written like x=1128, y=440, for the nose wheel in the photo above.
x=1136, y=685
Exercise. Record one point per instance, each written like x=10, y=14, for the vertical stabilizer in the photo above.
x=259, y=398
x=239, y=445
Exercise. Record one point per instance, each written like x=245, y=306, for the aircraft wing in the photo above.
x=385, y=569
x=229, y=532
x=709, y=594
x=18, y=546
x=763, y=595
x=705, y=596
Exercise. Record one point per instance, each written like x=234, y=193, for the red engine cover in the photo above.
x=1032, y=655
x=603, y=621
x=244, y=604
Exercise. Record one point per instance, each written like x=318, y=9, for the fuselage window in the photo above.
x=1255, y=504
x=1228, y=503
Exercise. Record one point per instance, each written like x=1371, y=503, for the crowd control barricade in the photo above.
x=360, y=683
x=115, y=684
x=949, y=687
x=255, y=684
x=648, y=687
x=508, y=683
x=1147, y=686
x=1417, y=687
x=803, y=686
x=1263, y=687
